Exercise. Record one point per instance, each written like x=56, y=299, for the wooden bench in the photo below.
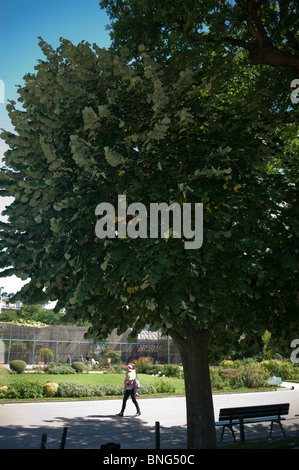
x=229, y=417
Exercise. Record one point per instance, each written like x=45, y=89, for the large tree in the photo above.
x=152, y=127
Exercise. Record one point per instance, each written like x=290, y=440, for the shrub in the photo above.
x=163, y=385
x=295, y=373
x=50, y=389
x=146, y=389
x=227, y=364
x=59, y=369
x=112, y=390
x=18, y=366
x=3, y=391
x=25, y=389
x=78, y=366
x=229, y=372
x=283, y=369
x=217, y=382
x=144, y=365
x=67, y=389
x=98, y=391
x=169, y=370
x=46, y=353
x=113, y=354
x=74, y=390
x=251, y=377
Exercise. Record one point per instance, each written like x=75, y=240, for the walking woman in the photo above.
x=131, y=384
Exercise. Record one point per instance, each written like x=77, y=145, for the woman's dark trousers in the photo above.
x=132, y=394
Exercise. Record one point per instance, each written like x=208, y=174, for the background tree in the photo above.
x=45, y=353
x=33, y=313
x=267, y=30
x=96, y=124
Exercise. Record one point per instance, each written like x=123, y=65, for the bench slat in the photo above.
x=249, y=420
x=253, y=411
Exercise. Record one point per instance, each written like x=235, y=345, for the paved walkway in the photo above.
x=93, y=423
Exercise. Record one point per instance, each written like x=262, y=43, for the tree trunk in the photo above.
x=201, y=432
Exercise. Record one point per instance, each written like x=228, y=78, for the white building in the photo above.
x=6, y=303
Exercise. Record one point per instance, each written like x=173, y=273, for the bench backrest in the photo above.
x=260, y=411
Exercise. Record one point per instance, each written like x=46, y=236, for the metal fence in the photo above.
x=23, y=342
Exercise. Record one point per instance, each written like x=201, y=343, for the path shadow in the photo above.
x=91, y=432
x=95, y=430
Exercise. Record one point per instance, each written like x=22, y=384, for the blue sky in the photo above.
x=21, y=23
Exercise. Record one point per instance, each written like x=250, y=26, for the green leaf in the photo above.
x=103, y=111
x=49, y=154
x=113, y=158
x=38, y=219
x=150, y=304
x=54, y=225
x=90, y=118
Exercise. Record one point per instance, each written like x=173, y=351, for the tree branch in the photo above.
x=253, y=18
x=261, y=49
x=267, y=54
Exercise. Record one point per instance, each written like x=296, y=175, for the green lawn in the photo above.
x=98, y=379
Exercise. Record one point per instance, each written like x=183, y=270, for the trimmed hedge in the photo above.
x=18, y=366
x=59, y=369
x=78, y=366
x=68, y=389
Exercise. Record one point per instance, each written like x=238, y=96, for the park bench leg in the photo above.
x=242, y=432
x=232, y=431
x=44, y=441
x=278, y=422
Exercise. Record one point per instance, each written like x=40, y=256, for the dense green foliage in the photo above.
x=30, y=314
x=168, y=141
x=59, y=369
x=18, y=366
x=45, y=353
x=146, y=365
x=78, y=366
